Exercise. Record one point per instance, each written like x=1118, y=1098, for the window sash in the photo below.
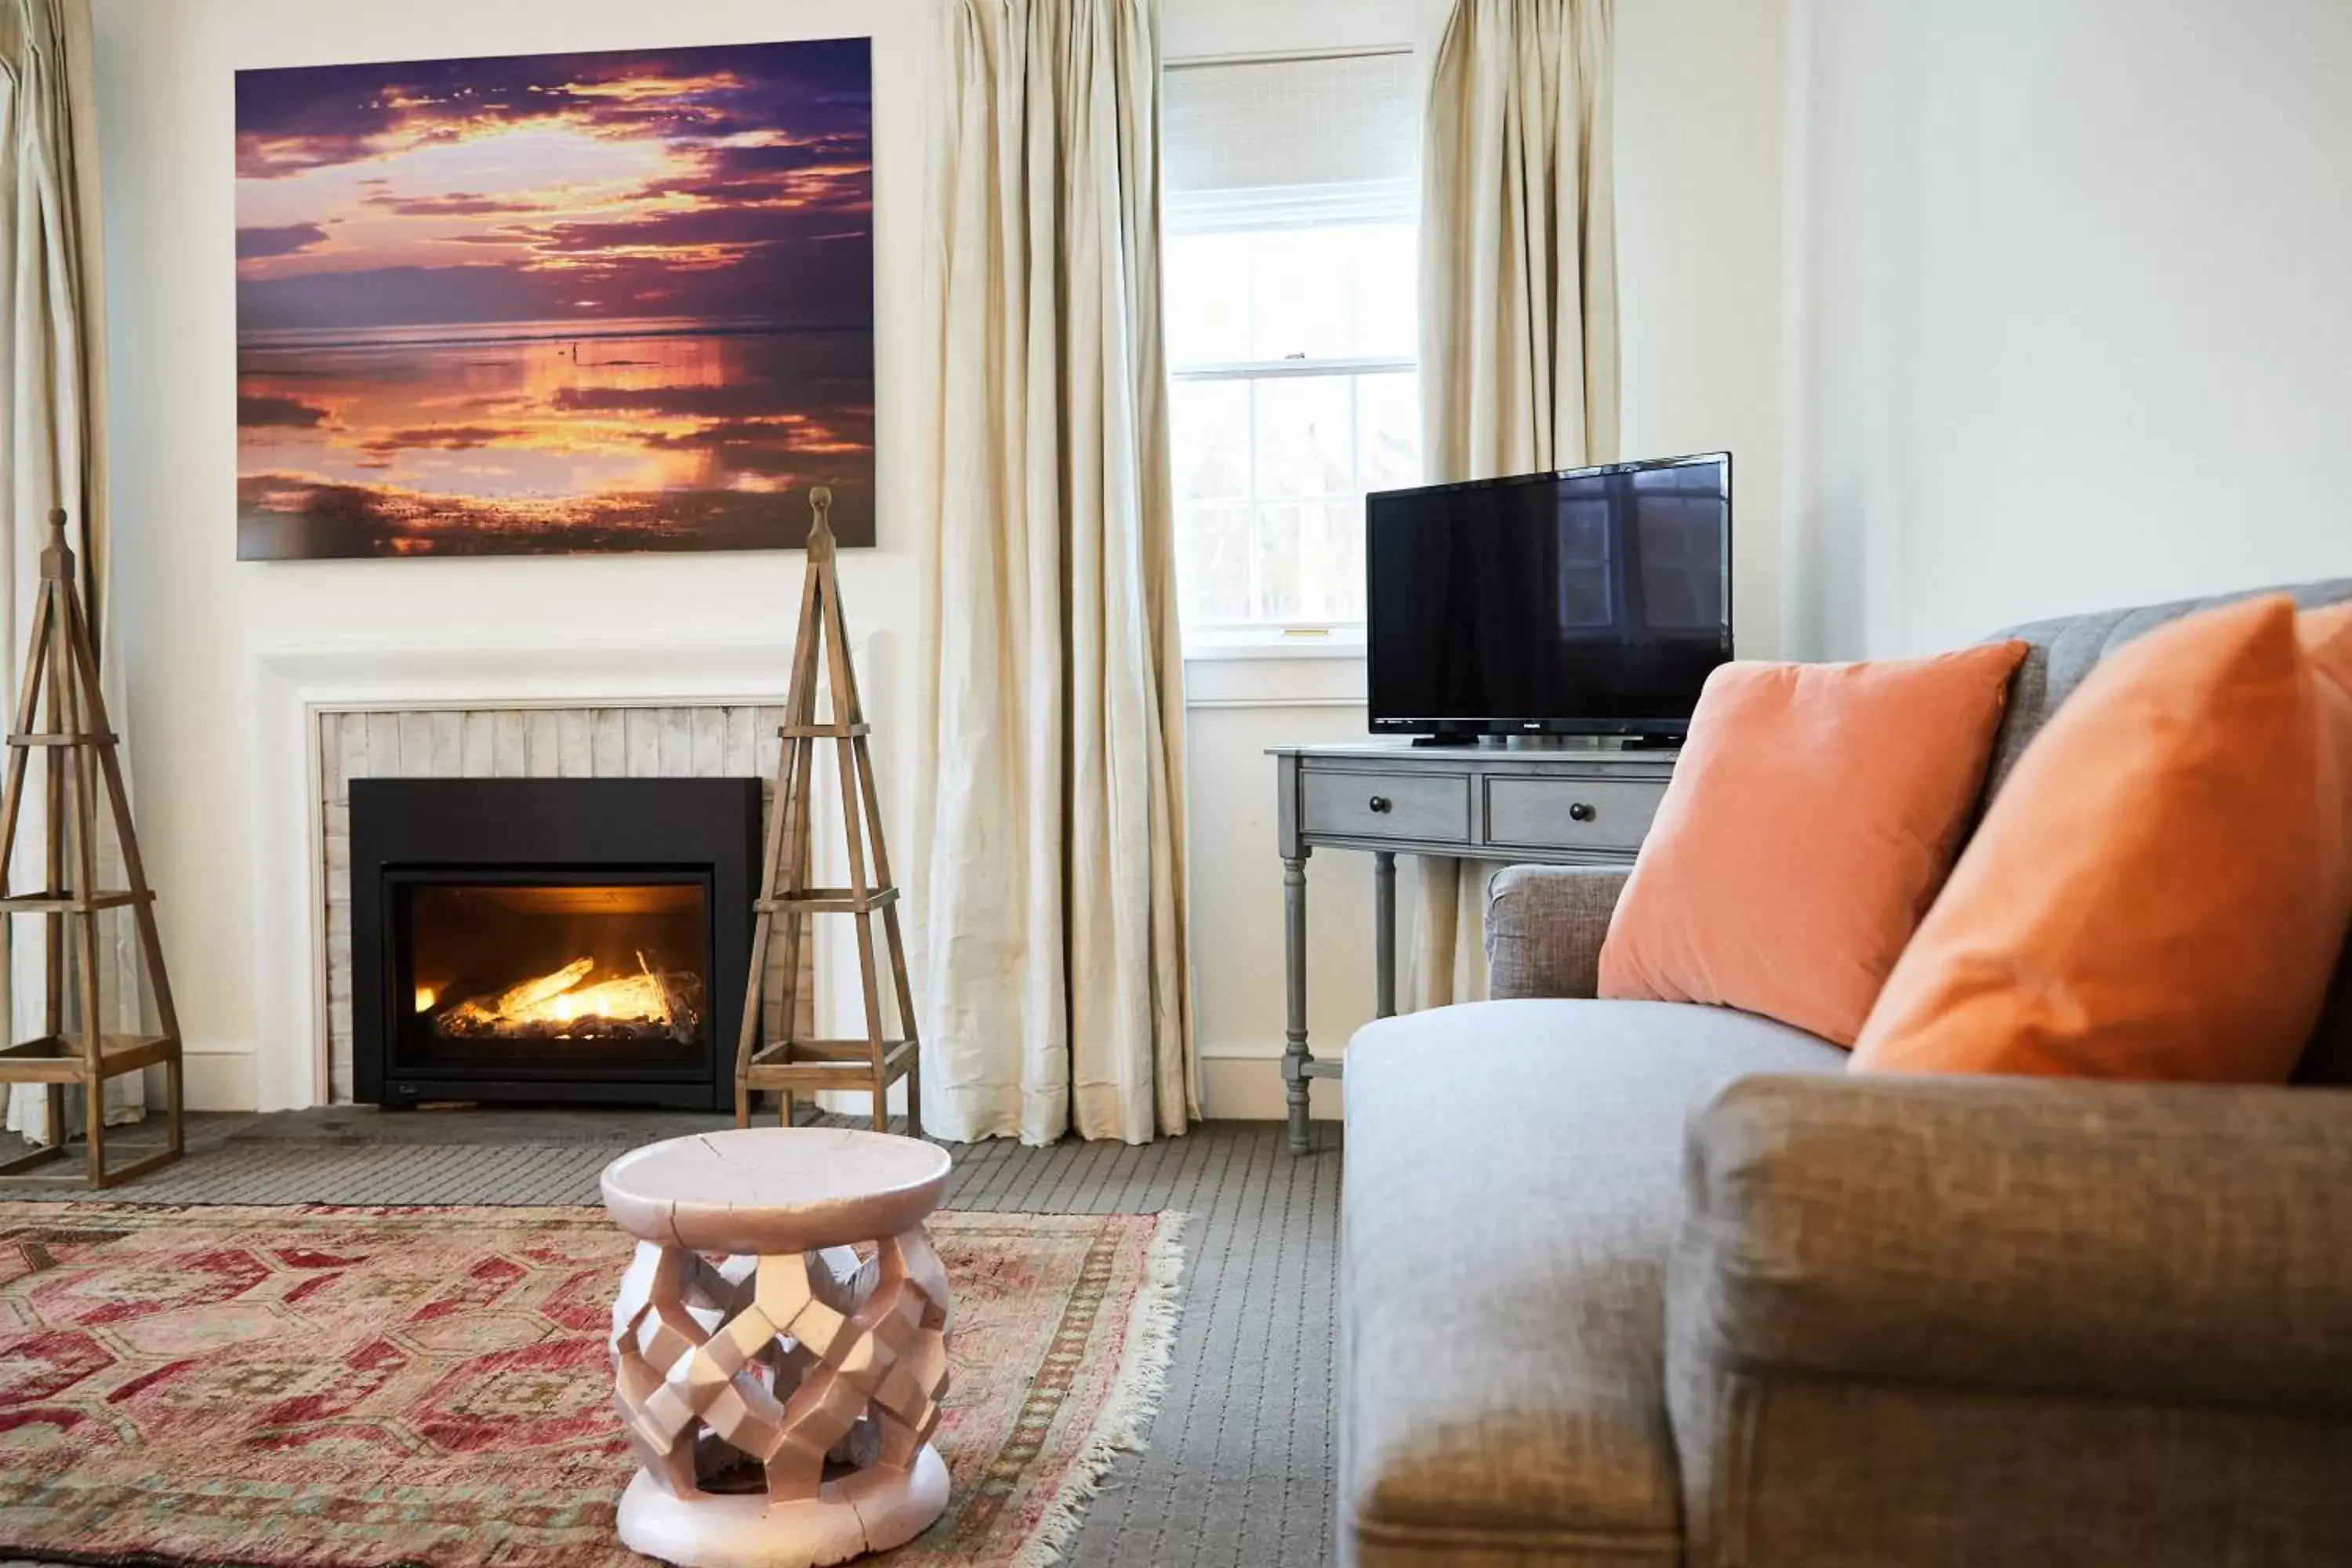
x=1352, y=163
x=1251, y=502
x=1269, y=369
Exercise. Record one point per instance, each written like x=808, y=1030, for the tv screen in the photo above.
x=1593, y=601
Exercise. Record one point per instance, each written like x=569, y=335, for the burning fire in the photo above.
x=549, y=1002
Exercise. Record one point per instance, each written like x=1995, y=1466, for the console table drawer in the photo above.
x=1578, y=813
x=1385, y=805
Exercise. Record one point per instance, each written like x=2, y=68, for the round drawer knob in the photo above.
x=1580, y=812
x=1380, y=803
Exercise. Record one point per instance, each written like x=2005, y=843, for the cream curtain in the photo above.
x=1055, y=973
x=52, y=403
x=1518, y=313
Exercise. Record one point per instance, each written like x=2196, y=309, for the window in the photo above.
x=1291, y=323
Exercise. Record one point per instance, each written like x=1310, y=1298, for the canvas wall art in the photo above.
x=555, y=303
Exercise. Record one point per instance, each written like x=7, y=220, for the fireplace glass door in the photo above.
x=607, y=975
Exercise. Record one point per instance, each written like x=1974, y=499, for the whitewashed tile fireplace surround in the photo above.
x=325, y=716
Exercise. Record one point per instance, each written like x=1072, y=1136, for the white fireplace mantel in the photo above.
x=294, y=684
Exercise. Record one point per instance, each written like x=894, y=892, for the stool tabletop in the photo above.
x=774, y=1190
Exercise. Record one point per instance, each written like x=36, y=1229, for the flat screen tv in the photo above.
x=1588, y=601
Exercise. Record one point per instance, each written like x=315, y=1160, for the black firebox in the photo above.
x=552, y=940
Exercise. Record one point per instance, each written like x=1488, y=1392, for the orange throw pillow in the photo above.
x=1812, y=816
x=2161, y=887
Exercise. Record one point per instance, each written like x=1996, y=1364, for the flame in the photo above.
x=559, y=997
x=426, y=997
x=637, y=999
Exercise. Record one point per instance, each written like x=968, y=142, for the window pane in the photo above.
x=1299, y=295
x=1277, y=563
x=1212, y=564
x=1304, y=447
x=1331, y=561
x=1209, y=439
x=1388, y=430
x=1388, y=306
x=1206, y=286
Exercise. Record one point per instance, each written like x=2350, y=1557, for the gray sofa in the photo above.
x=1633, y=1283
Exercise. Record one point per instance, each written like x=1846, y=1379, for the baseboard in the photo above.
x=217, y=1081
x=1233, y=1088
x=1250, y=1089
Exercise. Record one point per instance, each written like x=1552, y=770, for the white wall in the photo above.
x=2070, y=312
x=1698, y=238
x=1700, y=112
x=1698, y=131
x=194, y=617
x=1698, y=135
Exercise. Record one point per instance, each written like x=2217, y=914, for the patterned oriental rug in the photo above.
x=315, y=1387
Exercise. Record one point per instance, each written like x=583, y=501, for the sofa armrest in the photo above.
x=2179, y=1244
x=1545, y=926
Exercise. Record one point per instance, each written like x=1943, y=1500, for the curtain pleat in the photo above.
x=52, y=417
x=1050, y=826
x=1518, y=313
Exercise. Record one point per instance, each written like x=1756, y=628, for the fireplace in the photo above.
x=557, y=941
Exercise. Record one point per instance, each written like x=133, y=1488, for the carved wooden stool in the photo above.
x=780, y=1392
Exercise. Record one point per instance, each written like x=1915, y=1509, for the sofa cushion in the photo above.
x=1511, y=1192
x=2061, y=652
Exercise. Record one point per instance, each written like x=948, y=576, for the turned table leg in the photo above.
x=1295, y=1054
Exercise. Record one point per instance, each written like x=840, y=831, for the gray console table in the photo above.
x=1563, y=804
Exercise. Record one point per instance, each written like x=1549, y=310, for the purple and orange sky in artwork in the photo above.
x=555, y=303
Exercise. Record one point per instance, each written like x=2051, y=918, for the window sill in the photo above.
x=1208, y=648
x=1269, y=670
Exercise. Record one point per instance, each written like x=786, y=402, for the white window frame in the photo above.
x=1298, y=638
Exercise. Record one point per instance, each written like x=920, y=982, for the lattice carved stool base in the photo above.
x=780, y=1405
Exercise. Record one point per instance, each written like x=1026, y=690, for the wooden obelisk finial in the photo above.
x=820, y=539
x=56, y=556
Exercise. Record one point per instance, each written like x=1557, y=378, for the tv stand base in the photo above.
x=1553, y=805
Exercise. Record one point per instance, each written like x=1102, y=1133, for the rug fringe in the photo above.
x=1134, y=1396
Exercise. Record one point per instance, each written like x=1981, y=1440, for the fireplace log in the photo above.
x=589, y=1029
x=681, y=1018
x=531, y=993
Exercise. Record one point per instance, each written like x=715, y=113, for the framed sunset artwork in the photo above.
x=552, y=304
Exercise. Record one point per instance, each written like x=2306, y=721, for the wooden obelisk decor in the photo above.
x=75, y=746
x=796, y=1063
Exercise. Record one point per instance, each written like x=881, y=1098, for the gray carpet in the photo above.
x=1238, y=1470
